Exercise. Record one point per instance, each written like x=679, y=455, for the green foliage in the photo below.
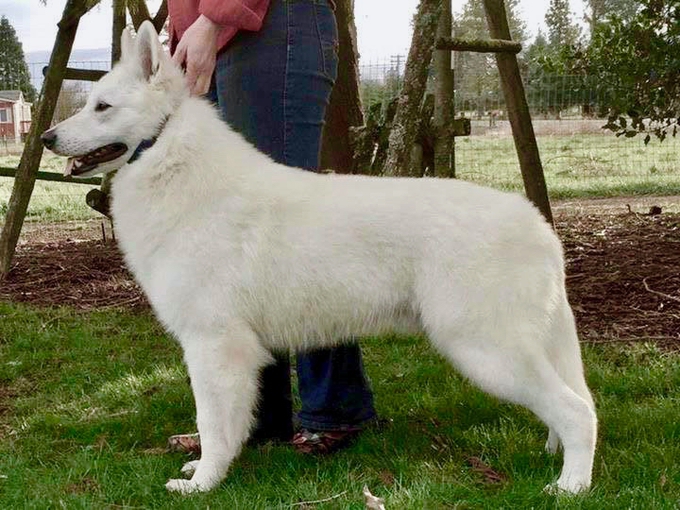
x=599, y=11
x=637, y=62
x=14, y=74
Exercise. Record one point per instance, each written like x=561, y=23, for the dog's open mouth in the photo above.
x=78, y=165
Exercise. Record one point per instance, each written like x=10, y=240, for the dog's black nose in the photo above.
x=49, y=138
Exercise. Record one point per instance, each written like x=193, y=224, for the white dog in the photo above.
x=239, y=256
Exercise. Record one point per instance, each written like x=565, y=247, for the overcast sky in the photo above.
x=384, y=26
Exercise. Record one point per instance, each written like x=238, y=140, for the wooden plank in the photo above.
x=52, y=176
x=478, y=45
x=518, y=112
x=161, y=16
x=139, y=12
x=74, y=10
x=71, y=73
x=24, y=180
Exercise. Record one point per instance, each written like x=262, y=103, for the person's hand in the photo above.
x=197, y=50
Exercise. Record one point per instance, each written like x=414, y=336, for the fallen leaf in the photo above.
x=490, y=475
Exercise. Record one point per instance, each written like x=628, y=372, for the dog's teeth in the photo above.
x=68, y=169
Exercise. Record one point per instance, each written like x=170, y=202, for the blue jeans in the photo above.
x=273, y=87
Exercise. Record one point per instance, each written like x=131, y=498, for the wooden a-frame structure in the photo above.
x=341, y=114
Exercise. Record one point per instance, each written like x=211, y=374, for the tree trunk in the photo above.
x=407, y=118
x=344, y=110
x=117, y=28
x=24, y=181
x=444, y=160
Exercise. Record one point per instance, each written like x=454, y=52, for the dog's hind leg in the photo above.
x=565, y=354
x=224, y=372
x=520, y=372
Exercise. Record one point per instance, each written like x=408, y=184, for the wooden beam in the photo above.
x=52, y=176
x=71, y=73
x=460, y=127
x=518, y=112
x=161, y=16
x=74, y=10
x=139, y=12
x=24, y=180
x=478, y=45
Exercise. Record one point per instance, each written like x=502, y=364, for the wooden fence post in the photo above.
x=518, y=112
x=30, y=158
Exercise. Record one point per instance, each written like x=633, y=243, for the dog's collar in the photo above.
x=147, y=143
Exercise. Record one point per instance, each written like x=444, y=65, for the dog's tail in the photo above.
x=565, y=353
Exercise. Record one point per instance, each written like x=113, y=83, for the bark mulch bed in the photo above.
x=623, y=274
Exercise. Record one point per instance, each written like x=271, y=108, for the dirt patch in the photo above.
x=622, y=276
x=74, y=264
x=622, y=269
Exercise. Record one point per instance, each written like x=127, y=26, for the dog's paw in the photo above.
x=561, y=488
x=185, y=487
x=189, y=468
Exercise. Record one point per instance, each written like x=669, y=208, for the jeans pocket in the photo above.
x=327, y=30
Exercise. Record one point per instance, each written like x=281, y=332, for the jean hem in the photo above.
x=330, y=425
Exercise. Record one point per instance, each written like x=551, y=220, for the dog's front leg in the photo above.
x=224, y=372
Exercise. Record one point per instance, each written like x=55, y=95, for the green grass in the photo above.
x=576, y=166
x=50, y=201
x=87, y=401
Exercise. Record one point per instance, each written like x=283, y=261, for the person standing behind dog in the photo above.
x=270, y=66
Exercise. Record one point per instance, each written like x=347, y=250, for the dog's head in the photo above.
x=127, y=107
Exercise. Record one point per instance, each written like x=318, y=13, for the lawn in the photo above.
x=88, y=399
x=576, y=165
x=50, y=201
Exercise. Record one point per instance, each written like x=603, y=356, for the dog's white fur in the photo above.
x=240, y=255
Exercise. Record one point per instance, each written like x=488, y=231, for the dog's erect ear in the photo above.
x=126, y=44
x=149, y=49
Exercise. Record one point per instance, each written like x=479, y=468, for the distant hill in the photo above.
x=91, y=55
x=97, y=58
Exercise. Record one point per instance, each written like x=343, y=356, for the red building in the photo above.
x=15, y=116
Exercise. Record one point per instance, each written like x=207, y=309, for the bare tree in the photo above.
x=407, y=118
x=344, y=110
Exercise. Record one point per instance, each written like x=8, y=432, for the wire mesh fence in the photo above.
x=569, y=112
x=579, y=157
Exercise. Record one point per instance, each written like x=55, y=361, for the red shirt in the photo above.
x=231, y=15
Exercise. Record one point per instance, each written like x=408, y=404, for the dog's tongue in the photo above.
x=70, y=165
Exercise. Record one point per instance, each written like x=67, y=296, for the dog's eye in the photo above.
x=101, y=106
